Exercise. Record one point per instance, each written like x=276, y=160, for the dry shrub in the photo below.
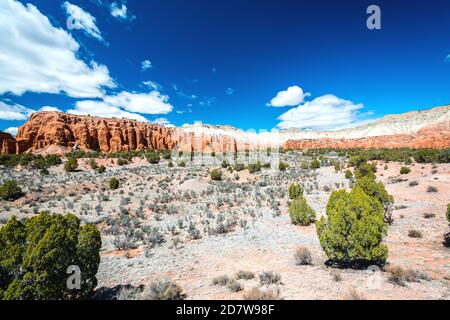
x=354, y=294
x=221, y=280
x=261, y=294
x=303, y=256
x=246, y=275
x=269, y=277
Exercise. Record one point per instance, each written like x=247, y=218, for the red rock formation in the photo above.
x=7, y=143
x=433, y=136
x=60, y=131
x=45, y=129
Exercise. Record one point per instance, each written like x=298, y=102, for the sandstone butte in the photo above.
x=56, y=132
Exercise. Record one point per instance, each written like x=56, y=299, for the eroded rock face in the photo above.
x=7, y=143
x=45, y=129
x=435, y=136
x=60, y=131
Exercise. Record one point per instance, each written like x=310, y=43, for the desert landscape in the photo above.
x=168, y=219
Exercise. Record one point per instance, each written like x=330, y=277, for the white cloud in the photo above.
x=12, y=131
x=153, y=85
x=79, y=19
x=293, y=96
x=125, y=105
x=104, y=110
x=14, y=112
x=229, y=91
x=120, y=12
x=50, y=108
x=148, y=103
x=164, y=122
x=37, y=57
x=327, y=112
x=146, y=64
x=447, y=59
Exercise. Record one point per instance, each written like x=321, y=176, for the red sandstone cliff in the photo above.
x=45, y=129
x=60, y=131
x=7, y=143
x=434, y=136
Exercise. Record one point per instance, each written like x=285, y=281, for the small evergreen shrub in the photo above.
x=354, y=228
x=35, y=255
x=71, y=165
x=315, y=164
x=365, y=170
x=216, y=175
x=301, y=213
x=10, y=191
x=405, y=170
x=113, y=183
x=153, y=157
x=101, y=169
x=282, y=166
x=295, y=191
x=93, y=164
x=254, y=167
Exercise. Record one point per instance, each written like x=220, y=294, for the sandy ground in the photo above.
x=265, y=241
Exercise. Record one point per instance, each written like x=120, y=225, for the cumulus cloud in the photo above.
x=37, y=57
x=118, y=11
x=327, y=112
x=50, y=108
x=293, y=96
x=14, y=112
x=146, y=64
x=125, y=105
x=148, y=103
x=12, y=131
x=104, y=110
x=79, y=19
x=164, y=122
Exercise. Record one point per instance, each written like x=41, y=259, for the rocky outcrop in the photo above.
x=7, y=143
x=60, y=131
x=45, y=129
x=435, y=136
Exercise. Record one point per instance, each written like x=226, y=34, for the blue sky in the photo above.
x=246, y=63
